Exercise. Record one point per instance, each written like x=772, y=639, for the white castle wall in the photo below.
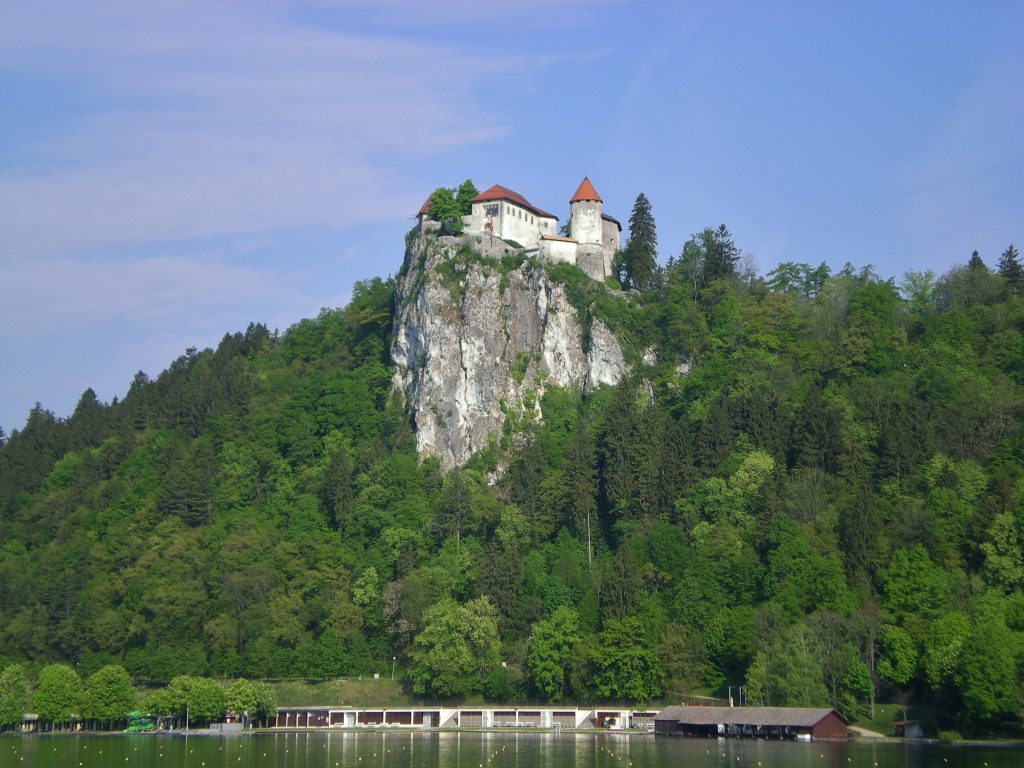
x=558, y=249
x=585, y=222
x=509, y=222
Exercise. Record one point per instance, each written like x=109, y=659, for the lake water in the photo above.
x=478, y=750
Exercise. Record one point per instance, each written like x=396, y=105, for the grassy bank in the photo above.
x=365, y=692
x=888, y=713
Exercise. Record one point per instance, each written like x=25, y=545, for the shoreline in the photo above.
x=399, y=730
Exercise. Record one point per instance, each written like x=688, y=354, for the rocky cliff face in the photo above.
x=479, y=337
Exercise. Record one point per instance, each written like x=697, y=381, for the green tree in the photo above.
x=252, y=696
x=787, y=672
x=914, y=585
x=464, y=194
x=553, y=642
x=1004, y=554
x=58, y=694
x=986, y=675
x=201, y=697
x=641, y=253
x=581, y=482
x=445, y=209
x=448, y=205
x=720, y=255
x=454, y=506
x=899, y=657
x=108, y=695
x=943, y=643
x=336, y=492
x=158, y=703
x=456, y=647
x=13, y=695
x=1011, y=269
x=685, y=659
x=328, y=657
x=624, y=669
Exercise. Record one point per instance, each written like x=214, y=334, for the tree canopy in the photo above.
x=811, y=484
x=641, y=253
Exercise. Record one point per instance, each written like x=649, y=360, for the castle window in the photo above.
x=491, y=210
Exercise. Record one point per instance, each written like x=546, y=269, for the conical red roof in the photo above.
x=586, y=191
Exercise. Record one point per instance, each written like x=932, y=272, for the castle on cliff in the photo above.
x=507, y=215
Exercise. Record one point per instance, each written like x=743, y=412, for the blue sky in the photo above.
x=171, y=171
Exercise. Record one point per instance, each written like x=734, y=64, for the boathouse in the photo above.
x=460, y=717
x=752, y=722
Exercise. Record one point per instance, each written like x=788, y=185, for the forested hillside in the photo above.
x=813, y=488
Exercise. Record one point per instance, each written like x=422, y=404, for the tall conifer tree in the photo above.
x=721, y=254
x=1011, y=269
x=640, y=257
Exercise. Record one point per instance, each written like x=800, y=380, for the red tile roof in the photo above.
x=425, y=208
x=586, y=191
x=498, y=192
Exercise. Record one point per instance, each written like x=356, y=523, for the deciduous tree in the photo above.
x=623, y=668
x=58, y=693
x=553, y=642
x=202, y=697
x=456, y=647
x=108, y=695
x=252, y=696
x=13, y=695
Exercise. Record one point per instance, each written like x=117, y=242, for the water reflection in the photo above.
x=404, y=749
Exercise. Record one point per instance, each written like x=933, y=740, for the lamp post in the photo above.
x=393, y=658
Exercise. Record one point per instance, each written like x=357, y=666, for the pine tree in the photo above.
x=453, y=507
x=581, y=477
x=976, y=262
x=640, y=257
x=336, y=490
x=721, y=254
x=1010, y=268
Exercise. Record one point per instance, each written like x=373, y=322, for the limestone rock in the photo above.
x=475, y=346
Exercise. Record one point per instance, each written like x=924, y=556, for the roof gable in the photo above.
x=498, y=192
x=425, y=208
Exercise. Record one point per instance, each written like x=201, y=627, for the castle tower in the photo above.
x=586, y=221
x=585, y=209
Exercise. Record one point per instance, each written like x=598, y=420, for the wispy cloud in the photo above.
x=216, y=118
x=153, y=139
x=49, y=295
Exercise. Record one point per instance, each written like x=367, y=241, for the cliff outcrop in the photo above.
x=481, y=332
